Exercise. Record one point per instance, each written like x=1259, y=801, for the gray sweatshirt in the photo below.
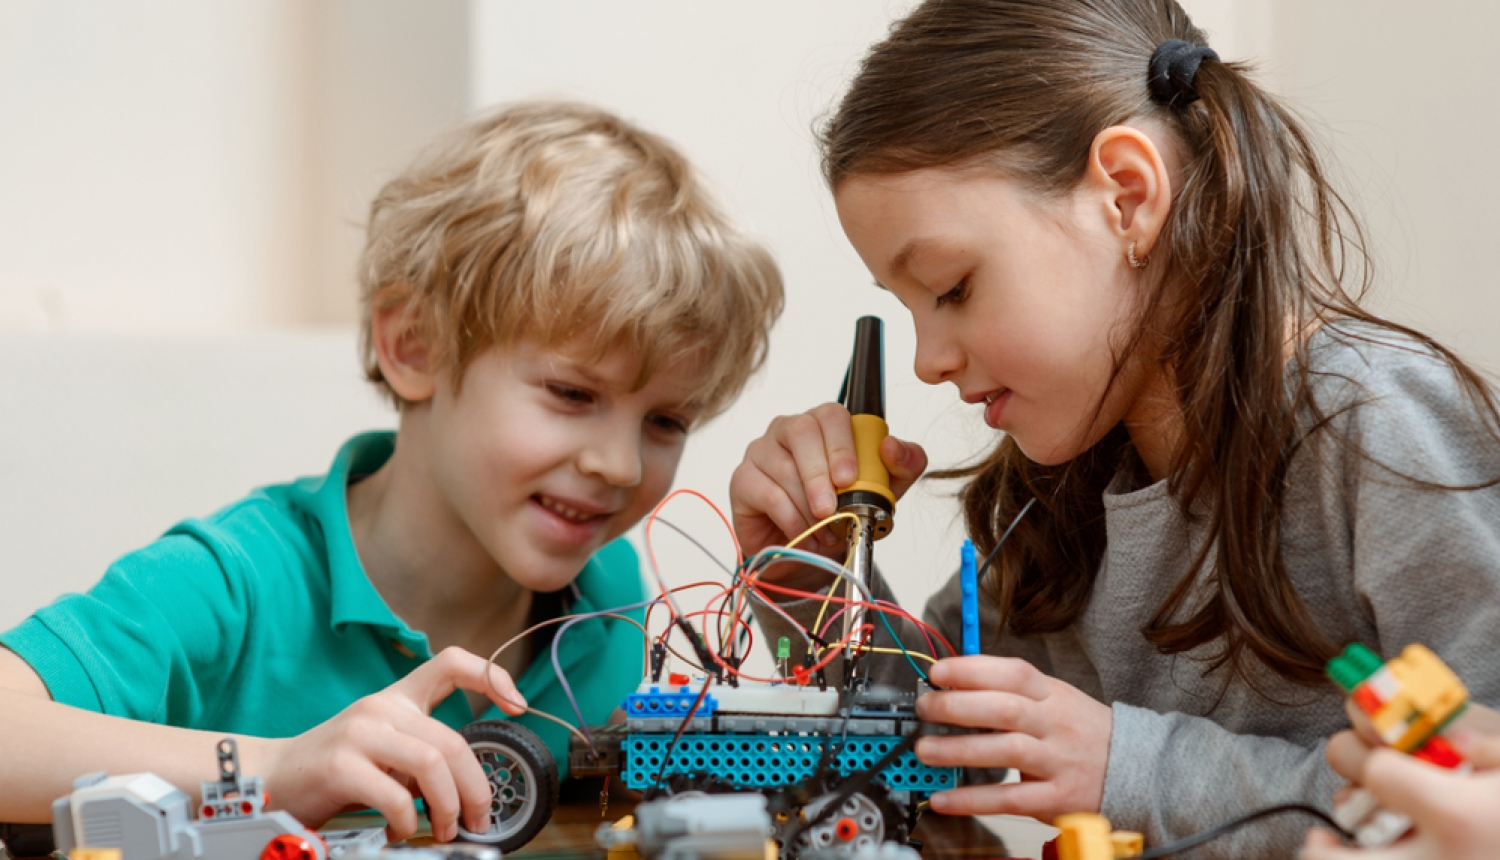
x=1376, y=559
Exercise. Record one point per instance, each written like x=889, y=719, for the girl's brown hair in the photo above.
x=1258, y=248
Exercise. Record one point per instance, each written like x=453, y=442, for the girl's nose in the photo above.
x=938, y=359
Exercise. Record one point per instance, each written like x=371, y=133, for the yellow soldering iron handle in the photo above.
x=864, y=396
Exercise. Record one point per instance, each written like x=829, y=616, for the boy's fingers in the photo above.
x=984, y=672
x=372, y=787
x=427, y=765
x=1346, y=755
x=456, y=669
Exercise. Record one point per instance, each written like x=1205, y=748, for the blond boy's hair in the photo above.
x=554, y=221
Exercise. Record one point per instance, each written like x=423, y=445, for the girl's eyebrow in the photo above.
x=903, y=257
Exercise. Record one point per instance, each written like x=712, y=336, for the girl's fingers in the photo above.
x=803, y=436
x=838, y=442
x=1032, y=799
x=983, y=709
x=776, y=505
x=1482, y=750
x=983, y=672
x=905, y=461
x=988, y=750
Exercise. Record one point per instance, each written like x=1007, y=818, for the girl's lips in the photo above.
x=995, y=408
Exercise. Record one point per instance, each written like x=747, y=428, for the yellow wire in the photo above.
x=792, y=544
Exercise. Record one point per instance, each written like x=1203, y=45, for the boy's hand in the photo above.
x=1056, y=735
x=789, y=479
x=385, y=749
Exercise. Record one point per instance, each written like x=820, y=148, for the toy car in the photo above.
x=835, y=778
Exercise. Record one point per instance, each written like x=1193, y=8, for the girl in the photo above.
x=1127, y=255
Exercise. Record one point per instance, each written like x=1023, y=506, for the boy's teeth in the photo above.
x=560, y=508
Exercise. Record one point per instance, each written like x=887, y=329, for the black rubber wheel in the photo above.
x=523, y=778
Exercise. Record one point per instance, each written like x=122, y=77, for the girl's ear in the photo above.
x=1127, y=166
x=403, y=354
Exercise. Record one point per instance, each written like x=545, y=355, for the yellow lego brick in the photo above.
x=1127, y=843
x=1431, y=695
x=83, y=853
x=1083, y=836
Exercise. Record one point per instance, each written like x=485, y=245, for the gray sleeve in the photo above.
x=1201, y=775
x=1427, y=558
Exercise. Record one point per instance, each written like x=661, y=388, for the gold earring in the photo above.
x=1135, y=262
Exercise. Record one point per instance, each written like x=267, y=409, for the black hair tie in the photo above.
x=1174, y=65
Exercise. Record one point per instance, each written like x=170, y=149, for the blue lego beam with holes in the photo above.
x=759, y=761
x=658, y=704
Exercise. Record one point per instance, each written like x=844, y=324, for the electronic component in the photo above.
x=696, y=827
x=147, y=818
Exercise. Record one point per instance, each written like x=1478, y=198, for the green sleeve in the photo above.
x=150, y=641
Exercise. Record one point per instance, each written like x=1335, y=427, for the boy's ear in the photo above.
x=401, y=349
x=1126, y=164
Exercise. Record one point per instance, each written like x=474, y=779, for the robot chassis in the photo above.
x=837, y=781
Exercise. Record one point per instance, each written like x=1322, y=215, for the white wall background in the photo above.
x=182, y=186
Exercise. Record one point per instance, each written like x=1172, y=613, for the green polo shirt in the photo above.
x=260, y=620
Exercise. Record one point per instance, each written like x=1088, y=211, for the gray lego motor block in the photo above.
x=523, y=781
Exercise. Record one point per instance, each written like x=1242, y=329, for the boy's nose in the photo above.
x=614, y=456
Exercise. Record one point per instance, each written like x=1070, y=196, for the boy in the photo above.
x=552, y=302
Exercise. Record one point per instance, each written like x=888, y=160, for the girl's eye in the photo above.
x=955, y=295
x=569, y=393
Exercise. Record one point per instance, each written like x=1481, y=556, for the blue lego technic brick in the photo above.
x=655, y=703
x=757, y=761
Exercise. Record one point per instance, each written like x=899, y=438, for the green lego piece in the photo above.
x=1351, y=668
x=783, y=648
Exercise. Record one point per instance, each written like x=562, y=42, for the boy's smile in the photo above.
x=544, y=457
x=521, y=472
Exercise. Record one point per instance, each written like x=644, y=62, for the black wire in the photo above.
x=979, y=576
x=666, y=760
x=1189, y=842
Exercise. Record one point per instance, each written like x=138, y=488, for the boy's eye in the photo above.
x=667, y=423
x=955, y=295
x=569, y=393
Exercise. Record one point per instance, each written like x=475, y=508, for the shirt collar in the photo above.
x=353, y=597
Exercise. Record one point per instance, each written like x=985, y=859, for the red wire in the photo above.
x=739, y=555
x=793, y=592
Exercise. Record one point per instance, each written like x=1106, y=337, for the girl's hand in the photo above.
x=789, y=477
x=1056, y=735
x=385, y=749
